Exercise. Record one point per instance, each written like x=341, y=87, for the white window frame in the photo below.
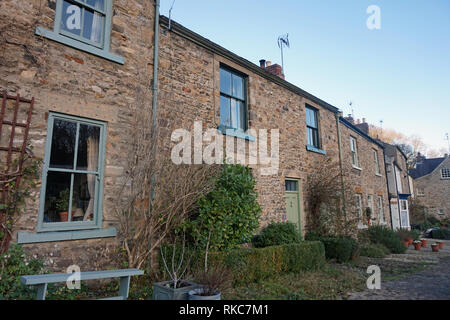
x=354, y=150
x=376, y=162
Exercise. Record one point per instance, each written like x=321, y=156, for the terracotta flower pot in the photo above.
x=64, y=216
x=424, y=243
x=417, y=245
x=435, y=247
x=411, y=240
x=441, y=245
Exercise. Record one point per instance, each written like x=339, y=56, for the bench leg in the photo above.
x=42, y=288
x=124, y=287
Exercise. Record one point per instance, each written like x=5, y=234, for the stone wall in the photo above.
x=436, y=191
x=364, y=179
x=70, y=81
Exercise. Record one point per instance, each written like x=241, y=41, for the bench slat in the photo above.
x=89, y=275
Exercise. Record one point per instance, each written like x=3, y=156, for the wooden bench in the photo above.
x=41, y=280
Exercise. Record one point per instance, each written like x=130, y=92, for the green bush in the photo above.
x=15, y=263
x=251, y=265
x=383, y=235
x=441, y=234
x=374, y=250
x=228, y=215
x=341, y=249
x=276, y=234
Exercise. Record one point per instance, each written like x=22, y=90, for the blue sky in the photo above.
x=399, y=74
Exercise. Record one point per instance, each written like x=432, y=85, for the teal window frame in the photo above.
x=97, y=221
x=314, y=128
x=237, y=131
x=79, y=42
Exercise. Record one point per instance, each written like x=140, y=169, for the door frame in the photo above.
x=298, y=199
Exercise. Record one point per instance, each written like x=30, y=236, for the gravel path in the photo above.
x=430, y=284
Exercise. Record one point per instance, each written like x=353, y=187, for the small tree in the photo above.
x=229, y=214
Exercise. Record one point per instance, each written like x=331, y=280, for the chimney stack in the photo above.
x=350, y=119
x=274, y=69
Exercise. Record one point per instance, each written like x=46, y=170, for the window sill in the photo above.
x=26, y=238
x=236, y=133
x=378, y=175
x=362, y=227
x=314, y=149
x=78, y=45
x=357, y=168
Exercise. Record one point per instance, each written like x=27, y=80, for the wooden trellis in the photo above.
x=9, y=173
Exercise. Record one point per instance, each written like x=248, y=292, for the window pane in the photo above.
x=63, y=144
x=57, y=194
x=225, y=82
x=311, y=118
x=238, y=87
x=225, y=116
x=291, y=185
x=97, y=4
x=310, y=136
x=71, y=18
x=83, y=200
x=316, y=138
x=88, y=144
x=93, y=26
x=235, y=114
x=242, y=116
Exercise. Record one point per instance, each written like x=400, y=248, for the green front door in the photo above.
x=293, y=202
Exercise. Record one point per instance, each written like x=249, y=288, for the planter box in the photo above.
x=195, y=295
x=161, y=291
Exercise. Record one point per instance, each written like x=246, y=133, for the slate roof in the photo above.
x=425, y=167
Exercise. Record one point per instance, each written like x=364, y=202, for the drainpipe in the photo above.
x=155, y=93
x=337, y=116
x=155, y=66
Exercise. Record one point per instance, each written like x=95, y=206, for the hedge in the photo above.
x=256, y=264
x=249, y=265
x=341, y=249
x=276, y=234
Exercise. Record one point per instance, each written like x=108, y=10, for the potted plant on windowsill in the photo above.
x=435, y=247
x=62, y=205
x=440, y=244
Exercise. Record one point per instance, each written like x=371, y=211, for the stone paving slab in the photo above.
x=430, y=284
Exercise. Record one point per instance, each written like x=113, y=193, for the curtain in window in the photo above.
x=97, y=25
x=92, y=153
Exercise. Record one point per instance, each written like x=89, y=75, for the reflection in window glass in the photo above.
x=225, y=82
x=225, y=108
x=71, y=18
x=97, y=4
x=92, y=26
x=63, y=144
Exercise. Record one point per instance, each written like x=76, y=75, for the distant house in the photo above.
x=432, y=184
x=399, y=186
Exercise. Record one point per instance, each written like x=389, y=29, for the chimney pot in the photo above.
x=262, y=63
x=364, y=120
x=268, y=63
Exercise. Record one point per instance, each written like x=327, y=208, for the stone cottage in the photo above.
x=432, y=185
x=85, y=62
